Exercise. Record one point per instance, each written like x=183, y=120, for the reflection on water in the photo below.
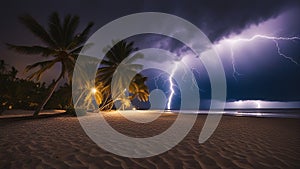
x=279, y=113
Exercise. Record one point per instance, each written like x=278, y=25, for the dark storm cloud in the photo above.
x=218, y=19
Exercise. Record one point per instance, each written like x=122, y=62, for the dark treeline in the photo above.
x=16, y=93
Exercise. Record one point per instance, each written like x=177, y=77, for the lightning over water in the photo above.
x=232, y=42
x=274, y=39
x=172, y=91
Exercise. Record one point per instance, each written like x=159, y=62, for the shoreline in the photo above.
x=256, y=113
x=18, y=113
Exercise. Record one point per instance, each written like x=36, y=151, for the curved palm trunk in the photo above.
x=41, y=106
x=108, y=105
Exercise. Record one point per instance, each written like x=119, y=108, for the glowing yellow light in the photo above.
x=94, y=90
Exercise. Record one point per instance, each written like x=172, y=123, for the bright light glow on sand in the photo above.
x=140, y=116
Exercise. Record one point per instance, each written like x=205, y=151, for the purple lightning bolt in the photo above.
x=274, y=39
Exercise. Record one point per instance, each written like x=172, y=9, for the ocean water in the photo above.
x=276, y=113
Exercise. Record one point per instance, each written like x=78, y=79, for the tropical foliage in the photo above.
x=117, y=77
x=25, y=94
x=18, y=93
x=60, y=42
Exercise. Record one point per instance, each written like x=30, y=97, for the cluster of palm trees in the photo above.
x=18, y=93
x=61, y=45
x=118, y=91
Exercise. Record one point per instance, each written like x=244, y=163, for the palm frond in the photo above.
x=84, y=34
x=58, y=39
x=45, y=51
x=135, y=57
x=114, y=58
x=134, y=67
x=55, y=29
x=80, y=38
x=107, y=62
x=69, y=28
x=36, y=29
x=44, y=65
x=38, y=64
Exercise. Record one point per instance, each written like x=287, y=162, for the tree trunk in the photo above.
x=71, y=105
x=41, y=106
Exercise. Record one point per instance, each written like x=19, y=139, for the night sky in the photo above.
x=262, y=73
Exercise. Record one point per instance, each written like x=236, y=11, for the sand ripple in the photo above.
x=238, y=142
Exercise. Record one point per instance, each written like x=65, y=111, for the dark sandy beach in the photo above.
x=238, y=142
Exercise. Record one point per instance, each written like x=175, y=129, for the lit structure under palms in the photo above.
x=123, y=93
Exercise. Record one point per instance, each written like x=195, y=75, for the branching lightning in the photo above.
x=171, y=86
x=235, y=72
x=272, y=38
x=232, y=42
x=169, y=80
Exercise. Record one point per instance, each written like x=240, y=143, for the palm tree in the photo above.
x=138, y=88
x=114, y=59
x=59, y=42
